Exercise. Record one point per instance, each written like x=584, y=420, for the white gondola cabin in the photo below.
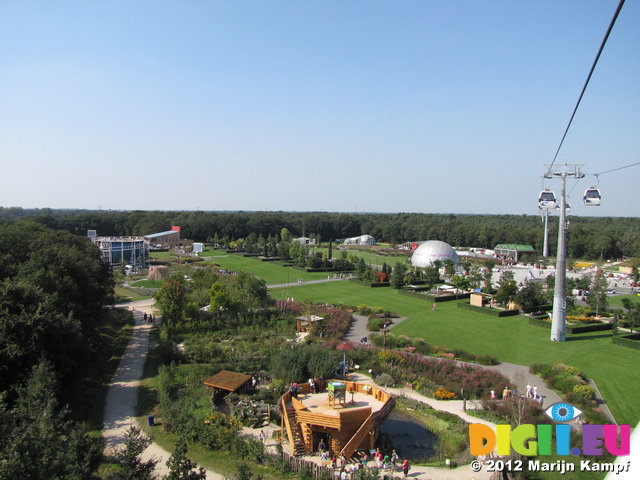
x=592, y=197
x=547, y=199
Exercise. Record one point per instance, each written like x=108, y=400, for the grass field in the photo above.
x=510, y=339
x=268, y=271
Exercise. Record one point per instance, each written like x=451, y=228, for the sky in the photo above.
x=434, y=106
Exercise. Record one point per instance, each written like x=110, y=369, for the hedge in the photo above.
x=369, y=284
x=630, y=341
x=539, y=323
x=596, y=327
x=541, y=308
x=494, y=312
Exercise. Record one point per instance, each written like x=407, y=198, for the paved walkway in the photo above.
x=122, y=397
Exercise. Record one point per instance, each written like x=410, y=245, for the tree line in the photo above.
x=588, y=237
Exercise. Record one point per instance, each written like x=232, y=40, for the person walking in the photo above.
x=394, y=460
x=405, y=467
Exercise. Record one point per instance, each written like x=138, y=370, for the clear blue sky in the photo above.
x=384, y=106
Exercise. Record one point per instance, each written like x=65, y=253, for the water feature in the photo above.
x=408, y=436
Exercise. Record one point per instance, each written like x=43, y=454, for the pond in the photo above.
x=408, y=436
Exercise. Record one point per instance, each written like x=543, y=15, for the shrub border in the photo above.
x=630, y=341
x=494, y=312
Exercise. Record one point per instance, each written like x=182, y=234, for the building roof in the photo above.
x=162, y=234
x=227, y=380
x=515, y=247
x=310, y=318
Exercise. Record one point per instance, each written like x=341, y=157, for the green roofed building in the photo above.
x=512, y=250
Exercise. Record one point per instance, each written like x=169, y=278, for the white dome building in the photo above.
x=433, y=250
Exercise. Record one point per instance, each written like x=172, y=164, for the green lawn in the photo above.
x=270, y=272
x=616, y=300
x=511, y=339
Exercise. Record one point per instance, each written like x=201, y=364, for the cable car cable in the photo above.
x=616, y=169
x=604, y=41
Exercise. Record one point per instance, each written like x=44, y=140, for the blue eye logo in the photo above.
x=562, y=412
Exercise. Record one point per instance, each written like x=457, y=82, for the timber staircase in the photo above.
x=296, y=433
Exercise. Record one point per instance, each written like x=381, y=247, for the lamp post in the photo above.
x=344, y=346
x=384, y=331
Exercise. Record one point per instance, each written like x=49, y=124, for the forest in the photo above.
x=54, y=348
x=590, y=238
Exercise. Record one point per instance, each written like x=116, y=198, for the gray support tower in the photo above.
x=559, y=318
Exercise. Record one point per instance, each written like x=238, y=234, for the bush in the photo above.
x=486, y=359
x=585, y=391
x=443, y=394
x=565, y=382
x=375, y=324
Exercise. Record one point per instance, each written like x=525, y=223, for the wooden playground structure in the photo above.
x=346, y=416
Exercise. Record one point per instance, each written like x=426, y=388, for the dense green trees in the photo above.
x=36, y=438
x=53, y=289
x=588, y=237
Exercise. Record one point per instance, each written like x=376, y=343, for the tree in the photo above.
x=37, y=440
x=506, y=292
x=487, y=277
x=597, y=298
x=397, y=275
x=285, y=235
x=530, y=296
x=431, y=276
x=461, y=282
x=219, y=299
x=449, y=267
x=132, y=467
x=180, y=467
x=171, y=298
x=633, y=313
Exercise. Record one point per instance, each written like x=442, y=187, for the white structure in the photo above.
x=433, y=250
x=304, y=241
x=361, y=240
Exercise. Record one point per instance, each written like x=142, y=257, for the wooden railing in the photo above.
x=285, y=419
x=359, y=436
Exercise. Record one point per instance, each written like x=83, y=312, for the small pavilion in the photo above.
x=305, y=323
x=225, y=381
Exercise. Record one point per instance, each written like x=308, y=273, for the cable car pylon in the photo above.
x=559, y=316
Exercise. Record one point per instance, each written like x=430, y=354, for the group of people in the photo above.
x=315, y=385
x=149, y=319
x=384, y=463
x=531, y=392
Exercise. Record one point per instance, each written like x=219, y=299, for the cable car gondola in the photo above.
x=547, y=199
x=592, y=197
